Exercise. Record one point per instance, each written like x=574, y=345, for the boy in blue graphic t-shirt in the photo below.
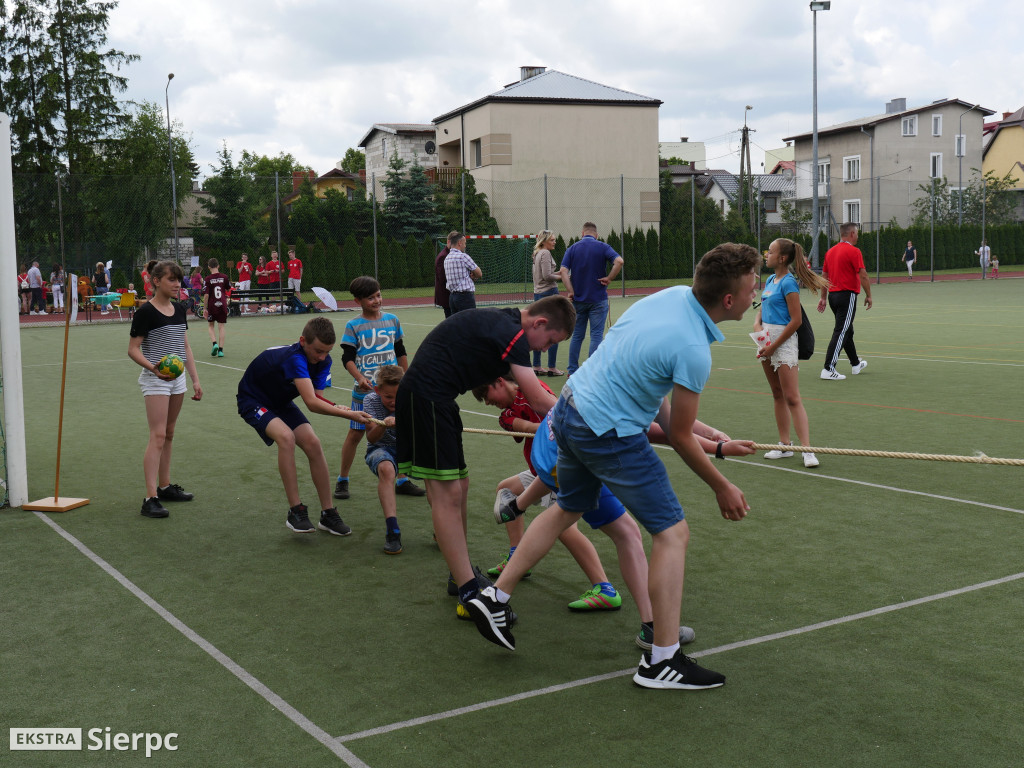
x=371, y=340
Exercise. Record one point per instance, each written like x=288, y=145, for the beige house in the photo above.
x=1004, y=153
x=557, y=144
x=871, y=170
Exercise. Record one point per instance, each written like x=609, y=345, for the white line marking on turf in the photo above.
x=877, y=485
x=234, y=668
x=709, y=652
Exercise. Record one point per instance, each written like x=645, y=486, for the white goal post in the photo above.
x=10, y=334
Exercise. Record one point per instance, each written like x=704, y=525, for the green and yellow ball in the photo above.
x=171, y=365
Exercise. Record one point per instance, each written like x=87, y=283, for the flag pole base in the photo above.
x=55, y=504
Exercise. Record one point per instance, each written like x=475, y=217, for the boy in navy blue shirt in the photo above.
x=269, y=385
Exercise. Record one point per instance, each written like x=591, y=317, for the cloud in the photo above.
x=311, y=76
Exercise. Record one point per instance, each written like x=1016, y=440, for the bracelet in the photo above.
x=718, y=450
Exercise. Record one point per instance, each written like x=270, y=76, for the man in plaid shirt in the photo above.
x=460, y=272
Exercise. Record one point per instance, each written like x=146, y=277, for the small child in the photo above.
x=159, y=329
x=995, y=267
x=217, y=287
x=131, y=290
x=371, y=340
x=381, y=449
x=271, y=382
x=518, y=416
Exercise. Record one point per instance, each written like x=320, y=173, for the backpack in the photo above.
x=804, y=337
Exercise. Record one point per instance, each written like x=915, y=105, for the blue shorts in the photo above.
x=258, y=416
x=628, y=466
x=609, y=509
x=357, y=405
x=380, y=453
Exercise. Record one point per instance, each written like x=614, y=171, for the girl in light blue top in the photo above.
x=780, y=315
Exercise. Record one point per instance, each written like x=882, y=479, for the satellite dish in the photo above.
x=429, y=148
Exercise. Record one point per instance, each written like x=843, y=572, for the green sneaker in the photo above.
x=496, y=570
x=596, y=600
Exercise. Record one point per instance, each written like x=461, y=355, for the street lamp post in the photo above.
x=815, y=214
x=961, y=144
x=170, y=155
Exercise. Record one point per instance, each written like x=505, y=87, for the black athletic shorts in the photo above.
x=429, y=438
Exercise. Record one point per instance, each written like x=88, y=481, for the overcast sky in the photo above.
x=310, y=77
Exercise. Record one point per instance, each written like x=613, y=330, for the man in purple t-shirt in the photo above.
x=583, y=274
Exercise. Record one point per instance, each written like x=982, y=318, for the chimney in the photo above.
x=525, y=73
x=896, y=105
x=1006, y=114
x=300, y=176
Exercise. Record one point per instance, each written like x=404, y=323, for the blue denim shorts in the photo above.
x=628, y=466
x=380, y=453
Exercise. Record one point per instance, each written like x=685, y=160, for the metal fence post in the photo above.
x=693, y=226
x=277, y=213
x=932, y=225
x=373, y=193
x=545, y=201
x=622, y=226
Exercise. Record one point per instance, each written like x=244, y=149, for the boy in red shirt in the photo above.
x=294, y=273
x=518, y=415
x=274, y=272
x=244, y=279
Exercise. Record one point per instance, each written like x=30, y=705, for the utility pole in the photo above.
x=747, y=193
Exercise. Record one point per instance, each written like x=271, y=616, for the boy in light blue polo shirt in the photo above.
x=652, y=366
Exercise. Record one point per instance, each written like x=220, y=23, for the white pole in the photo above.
x=10, y=332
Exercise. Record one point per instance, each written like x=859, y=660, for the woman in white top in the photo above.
x=545, y=273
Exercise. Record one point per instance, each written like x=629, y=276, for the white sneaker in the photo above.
x=831, y=375
x=810, y=460
x=859, y=366
x=777, y=454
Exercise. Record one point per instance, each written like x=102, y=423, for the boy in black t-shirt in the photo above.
x=468, y=349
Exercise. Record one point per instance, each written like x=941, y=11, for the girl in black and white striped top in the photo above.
x=159, y=329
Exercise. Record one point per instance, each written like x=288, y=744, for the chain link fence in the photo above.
x=342, y=232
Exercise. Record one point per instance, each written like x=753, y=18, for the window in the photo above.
x=771, y=204
x=936, y=125
x=824, y=171
x=910, y=126
x=851, y=211
x=851, y=168
x=476, y=153
x=384, y=147
x=935, y=165
x=959, y=145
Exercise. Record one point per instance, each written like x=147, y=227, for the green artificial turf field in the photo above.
x=866, y=613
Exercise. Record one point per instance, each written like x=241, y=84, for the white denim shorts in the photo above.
x=787, y=353
x=153, y=385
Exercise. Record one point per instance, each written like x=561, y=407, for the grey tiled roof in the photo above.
x=396, y=128
x=766, y=182
x=553, y=86
x=869, y=121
